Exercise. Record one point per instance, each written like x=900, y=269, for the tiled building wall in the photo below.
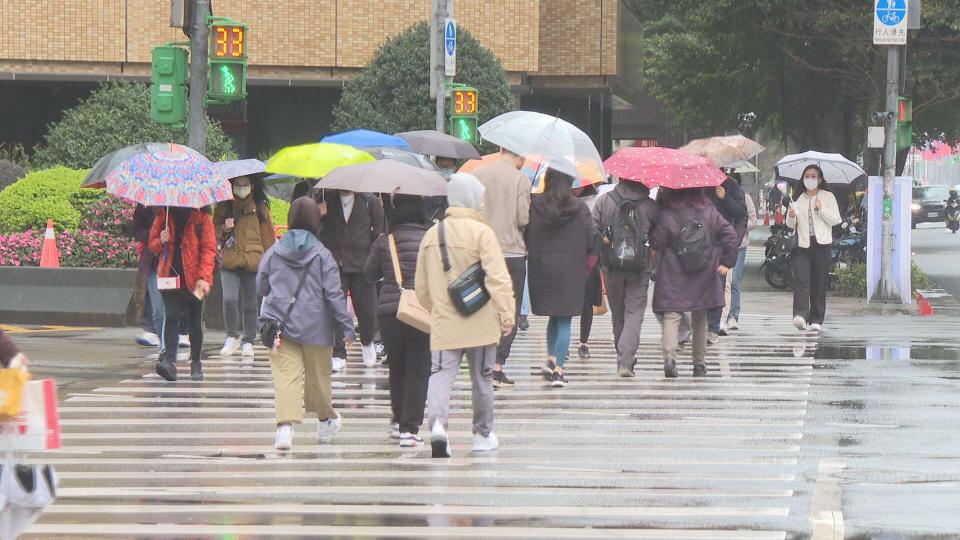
x=571, y=41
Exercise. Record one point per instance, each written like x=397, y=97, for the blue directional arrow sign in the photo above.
x=450, y=47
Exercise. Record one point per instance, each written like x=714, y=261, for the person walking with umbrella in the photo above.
x=245, y=231
x=561, y=235
x=812, y=214
x=185, y=241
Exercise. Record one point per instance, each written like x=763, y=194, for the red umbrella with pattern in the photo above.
x=664, y=167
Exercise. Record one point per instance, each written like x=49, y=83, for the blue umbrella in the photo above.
x=365, y=138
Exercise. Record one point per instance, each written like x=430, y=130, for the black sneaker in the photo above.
x=381, y=350
x=166, y=368
x=670, y=370
x=548, y=370
x=699, y=370
x=558, y=380
x=584, y=351
x=523, y=324
x=500, y=380
x=682, y=345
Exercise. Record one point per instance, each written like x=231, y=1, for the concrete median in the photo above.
x=67, y=296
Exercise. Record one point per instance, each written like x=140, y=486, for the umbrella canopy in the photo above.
x=534, y=169
x=836, y=168
x=744, y=167
x=664, y=167
x=97, y=177
x=725, y=151
x=240, y=167
x=431, y=142
x=314, y=160
x=365, y=138
x=559, y=143
x=410, y=158
x=171, y=175
x=386, y=176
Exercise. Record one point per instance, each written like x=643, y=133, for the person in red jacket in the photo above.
x=185, y=241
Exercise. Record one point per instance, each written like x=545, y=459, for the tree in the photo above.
x=113, y=116
x=392, y=93
x=806, y=68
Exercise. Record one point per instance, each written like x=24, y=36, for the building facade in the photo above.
x=580, y=57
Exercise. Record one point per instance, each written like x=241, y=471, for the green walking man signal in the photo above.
x=464, y=105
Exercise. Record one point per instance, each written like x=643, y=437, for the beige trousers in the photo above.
x=671, y=327
x=293, y=363
x=727, y=293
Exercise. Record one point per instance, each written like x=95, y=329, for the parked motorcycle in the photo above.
x=851, y=247
x=776, y=267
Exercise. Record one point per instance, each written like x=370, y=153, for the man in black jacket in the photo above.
x=732, y=204
x=351, y=223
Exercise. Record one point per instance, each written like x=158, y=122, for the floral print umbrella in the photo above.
x=664, y=167
x=169, y=175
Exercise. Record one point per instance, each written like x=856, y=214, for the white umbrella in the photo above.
x=836, y=168
x=240, y=167
x=556, y=143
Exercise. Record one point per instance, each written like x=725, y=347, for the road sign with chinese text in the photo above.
x=890, y=22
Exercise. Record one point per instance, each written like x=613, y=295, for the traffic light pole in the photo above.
x=887, y=288
x=439, y=78
x=199, y=50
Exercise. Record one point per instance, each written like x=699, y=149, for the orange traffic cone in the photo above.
x=924, y=308
x=50, y=256
x=766, y=219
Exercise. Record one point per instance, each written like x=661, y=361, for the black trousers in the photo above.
x=183, y=308
x=811, y=270
x=517, y=266
x=593, y=297
x=364, y=297
x=409, y=353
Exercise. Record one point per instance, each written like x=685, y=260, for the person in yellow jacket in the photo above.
x=452, y=335
x=244, y=233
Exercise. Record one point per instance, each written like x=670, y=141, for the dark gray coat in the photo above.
x=321, y=305
x=557, y=267
x=350, y=242
x=380, y=265
x=676, y=289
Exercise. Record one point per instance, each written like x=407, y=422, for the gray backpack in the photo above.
x=694, y=245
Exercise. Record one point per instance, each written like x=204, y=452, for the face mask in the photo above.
x=446, y=172
x=242, y=192
x=811, y=183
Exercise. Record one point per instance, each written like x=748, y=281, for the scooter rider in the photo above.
x=952, y=214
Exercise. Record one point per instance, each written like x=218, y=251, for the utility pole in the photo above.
x=887, y=288
x=199, y=44
x=439, y=11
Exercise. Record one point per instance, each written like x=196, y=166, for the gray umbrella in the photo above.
x=385, y=176
x=240, y=167
x=433, y=143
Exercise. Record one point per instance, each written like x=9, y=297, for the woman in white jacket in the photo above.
x=813, y=214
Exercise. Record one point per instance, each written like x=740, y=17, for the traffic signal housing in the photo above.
x=464, y=106
x=904, y=123
x=168, y=89
x=227, y=79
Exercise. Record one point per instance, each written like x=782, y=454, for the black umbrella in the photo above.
x=433, y=143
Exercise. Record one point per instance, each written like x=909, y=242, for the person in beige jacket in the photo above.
x=452, y=336
x=507, y=209
x=813, y=214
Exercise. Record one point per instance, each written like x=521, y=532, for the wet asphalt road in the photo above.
x=853, y=433
x=938, y=254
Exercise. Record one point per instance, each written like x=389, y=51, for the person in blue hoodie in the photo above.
x=310, y=319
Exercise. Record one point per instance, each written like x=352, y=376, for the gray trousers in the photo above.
x=240, y=285
x=671, y=329
x=443, y=374
x=627, y=297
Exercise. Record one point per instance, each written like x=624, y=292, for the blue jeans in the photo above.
x=156, y=306
x=735, y=287
x=558, y=338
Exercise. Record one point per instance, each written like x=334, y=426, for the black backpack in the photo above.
x=629, y=248
x=694, y=245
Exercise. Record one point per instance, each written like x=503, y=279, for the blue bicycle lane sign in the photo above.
x=892, y=12
x=890, y=22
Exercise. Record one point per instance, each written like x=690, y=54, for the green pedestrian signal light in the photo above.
x=226, y=82
x=464, y=128
x=168, y=88
x=464, y=106
x=229, y=43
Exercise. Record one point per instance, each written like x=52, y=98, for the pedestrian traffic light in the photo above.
x=904, y=123
x=168, y=89
x=227, y=79
x=464, y=106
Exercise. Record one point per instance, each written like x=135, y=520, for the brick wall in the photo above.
x=571, y=42
x=75, y=30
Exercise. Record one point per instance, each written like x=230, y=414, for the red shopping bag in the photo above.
x=37, y=427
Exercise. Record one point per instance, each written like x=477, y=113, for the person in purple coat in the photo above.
x=678, y=290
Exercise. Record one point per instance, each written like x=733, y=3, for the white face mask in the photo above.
x=242, y=192
x=811, y=183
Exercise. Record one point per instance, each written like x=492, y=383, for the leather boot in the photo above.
x=699, y=370
x=670, y=370
x=196, y=370
x=167, y=367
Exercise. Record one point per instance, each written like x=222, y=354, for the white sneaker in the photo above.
x=732, y=324
x=816, y=327
x=485, y=444
x=369, y=355
x=394, y=431
x=410, y=440
x=230, y=346
x=328, y=428
x=284, y=437
x=246, y=353
x=184, y=342
x=799, y=322
x=148, y=339
x=337, y=364
x=439, y=442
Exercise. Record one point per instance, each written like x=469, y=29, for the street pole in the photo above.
x=887, y=288
x=439, y=78
x=197, y=115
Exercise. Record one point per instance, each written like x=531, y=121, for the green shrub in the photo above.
x=113, y=116
x=279, y=209
x=852, y=281
x=48, y=194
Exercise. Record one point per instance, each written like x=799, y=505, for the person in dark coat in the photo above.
x=351, y=223
x=678, y=291
x=407, y=347
x=560, y=237
x=731, y=201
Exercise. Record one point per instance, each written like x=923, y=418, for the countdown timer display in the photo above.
x=228, y=42
x=464, y=102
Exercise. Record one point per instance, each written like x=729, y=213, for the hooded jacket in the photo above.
x=198, y=249
x=320, y=307
x=380, y=265
x=557, y=263
x=253, y=231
